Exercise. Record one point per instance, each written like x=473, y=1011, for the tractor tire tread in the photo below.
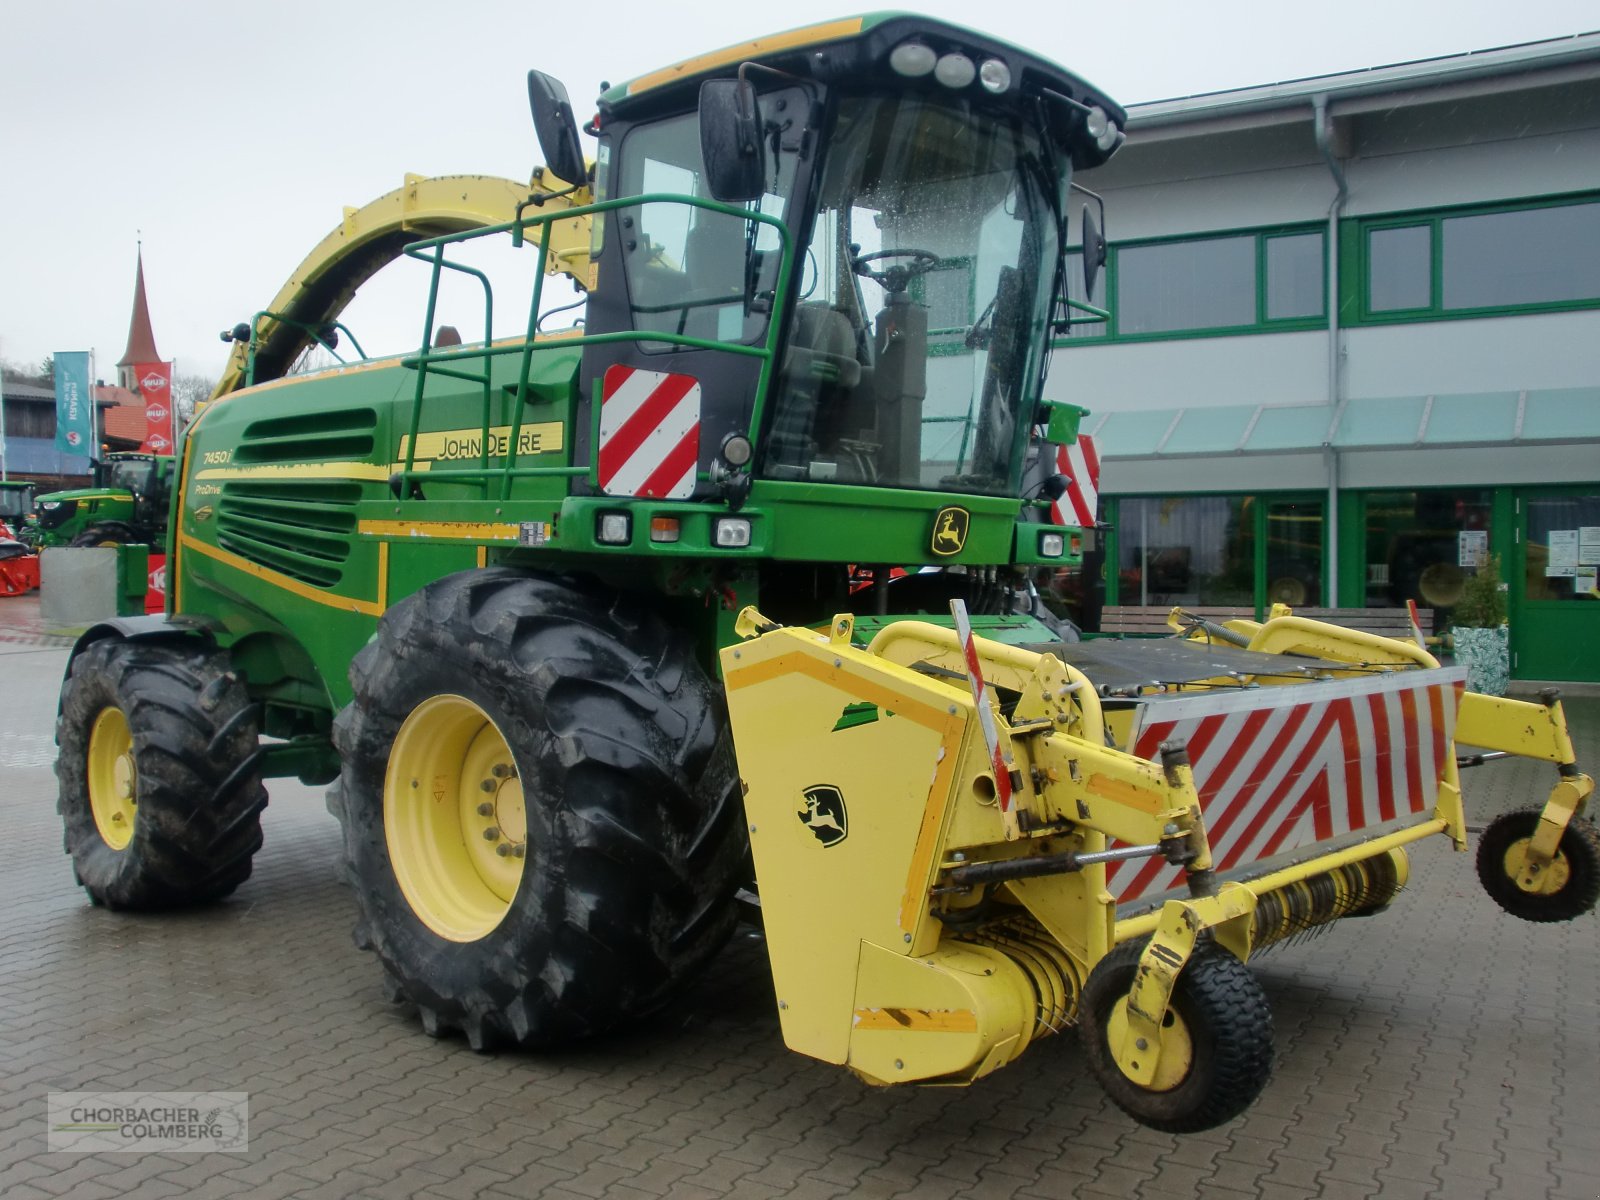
x=637, y=780
x=200, y=794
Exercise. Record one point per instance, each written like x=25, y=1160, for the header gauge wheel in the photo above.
x=1565, y=890
x=1216, y=1040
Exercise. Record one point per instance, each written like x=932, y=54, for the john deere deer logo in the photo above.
x=950, y=527
x=824, y=814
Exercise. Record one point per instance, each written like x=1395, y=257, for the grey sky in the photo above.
x=232, y=136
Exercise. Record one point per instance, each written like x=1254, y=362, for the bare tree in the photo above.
x=187, y=392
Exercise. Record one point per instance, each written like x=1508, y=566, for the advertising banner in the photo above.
x=74, y=404
x=155, y=386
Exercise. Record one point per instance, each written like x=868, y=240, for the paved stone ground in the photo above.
x=1440, y=1050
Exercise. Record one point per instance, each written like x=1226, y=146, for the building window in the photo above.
x=1419, y=546
x=1401, y=270
x=1246, y=282
x=1186, y=550
x=1531, y=256
x=1471, y=263
x=1174, y=286
x=1294, y=277
x=1294, y=552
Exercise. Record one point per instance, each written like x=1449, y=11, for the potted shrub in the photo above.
x=1479, y=632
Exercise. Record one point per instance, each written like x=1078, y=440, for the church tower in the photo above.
x=141, y=339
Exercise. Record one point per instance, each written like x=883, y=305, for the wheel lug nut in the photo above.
x=488, y=785
x=502, y=850
x=519, y=851
x=491, y=834
x=500, y=770
x=486, y=809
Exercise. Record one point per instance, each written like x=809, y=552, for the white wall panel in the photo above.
x=1276, y=368
x=1549, y=350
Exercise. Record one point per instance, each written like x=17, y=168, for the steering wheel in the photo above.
x=895, y=278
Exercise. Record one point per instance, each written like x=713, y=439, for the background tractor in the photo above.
x=520, y=599
x=19, y=563
x=127, y=505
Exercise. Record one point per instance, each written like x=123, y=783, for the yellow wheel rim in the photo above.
x=1177, y=1047
x=1548, y=882
x=454, y=818
x=113, y=781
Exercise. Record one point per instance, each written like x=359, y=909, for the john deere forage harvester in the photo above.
x=592, y=628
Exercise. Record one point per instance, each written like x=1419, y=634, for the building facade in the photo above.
x=1354, y=345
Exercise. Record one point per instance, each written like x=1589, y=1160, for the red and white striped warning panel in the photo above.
x=649, y=433
x=1327, y=759
x=1080, y=463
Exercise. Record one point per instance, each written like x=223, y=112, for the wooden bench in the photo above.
x=1151, y=619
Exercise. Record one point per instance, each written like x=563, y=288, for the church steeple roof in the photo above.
x=141, y=340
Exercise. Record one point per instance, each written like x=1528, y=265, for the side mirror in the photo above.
x=730, y=140
x=1094, y=253
x=557, y=129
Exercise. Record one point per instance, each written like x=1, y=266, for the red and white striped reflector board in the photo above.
x=1325, y=760
x=649, y=433
x=1079, y=504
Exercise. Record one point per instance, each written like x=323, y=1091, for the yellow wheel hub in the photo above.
x=1548, y=881
x=454, y=818
x=1176, y=1049
x=113, y=781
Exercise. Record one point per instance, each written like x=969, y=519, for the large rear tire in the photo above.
x=160, y=775
x=1216, y=1048
x=540, y=806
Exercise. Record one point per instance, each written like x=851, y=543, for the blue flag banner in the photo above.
x=74, y=404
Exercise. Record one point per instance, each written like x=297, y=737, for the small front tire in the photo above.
x=1570, y=886
x=1216, y=1052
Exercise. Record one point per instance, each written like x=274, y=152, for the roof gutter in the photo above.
x=1323, y=129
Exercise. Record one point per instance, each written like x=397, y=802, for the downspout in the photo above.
x=1322, y=127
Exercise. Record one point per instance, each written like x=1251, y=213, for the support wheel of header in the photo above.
x=1216, y=1039
x=1566, y=889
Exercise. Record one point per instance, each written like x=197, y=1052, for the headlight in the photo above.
x=995, y=76
x=733, y=532
x=613, y=529
x=1051, y=545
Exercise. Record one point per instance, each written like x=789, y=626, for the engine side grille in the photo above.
x=302, y=529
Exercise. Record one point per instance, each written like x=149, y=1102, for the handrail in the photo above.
x=313, y=330
x=432, y=250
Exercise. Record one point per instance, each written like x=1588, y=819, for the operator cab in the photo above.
x=144, y=477
x=853, y=252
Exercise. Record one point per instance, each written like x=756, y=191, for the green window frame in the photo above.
x=1357, y=270
x=1261, y=239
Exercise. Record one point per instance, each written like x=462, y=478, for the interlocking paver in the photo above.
x=1441, y=1051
